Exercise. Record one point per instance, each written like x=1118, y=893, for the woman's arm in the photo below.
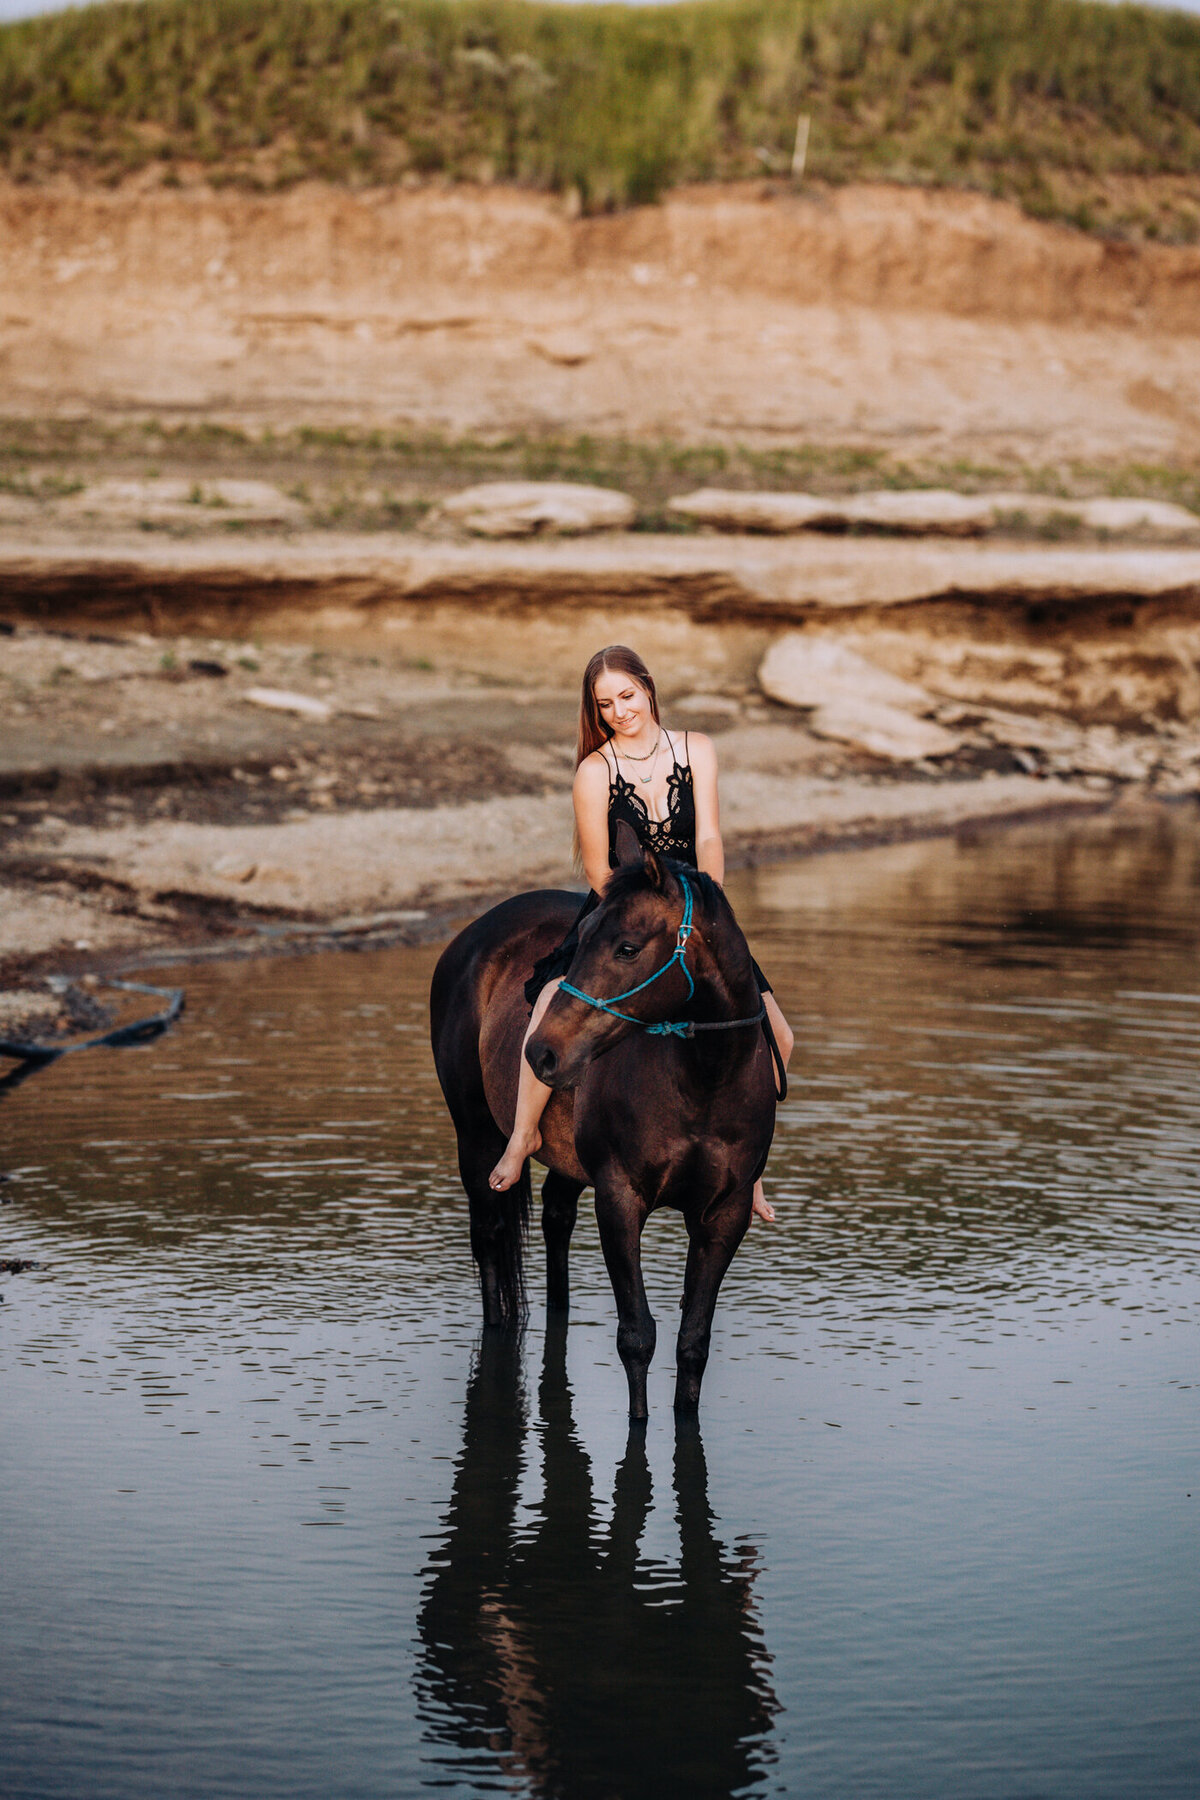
x=710, y=851
x=590, y=794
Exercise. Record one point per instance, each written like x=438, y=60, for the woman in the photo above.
x=664, y=784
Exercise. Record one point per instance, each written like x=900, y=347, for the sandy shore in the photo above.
x=150, y=807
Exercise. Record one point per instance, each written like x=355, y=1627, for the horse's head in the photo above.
x=629, y=940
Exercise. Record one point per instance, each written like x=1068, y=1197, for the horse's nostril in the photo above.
x=542, y=1061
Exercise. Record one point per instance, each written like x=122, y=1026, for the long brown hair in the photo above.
x=593, y=732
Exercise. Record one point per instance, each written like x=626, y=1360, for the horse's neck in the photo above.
x=725, y=984
x=722, y=992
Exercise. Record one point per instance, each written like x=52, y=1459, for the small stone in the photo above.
x=304, y=706
x=567, y=348
x=234, y=868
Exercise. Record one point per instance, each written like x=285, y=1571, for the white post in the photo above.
x=800, y=153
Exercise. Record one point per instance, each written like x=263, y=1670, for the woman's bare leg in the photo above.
x=532, y=1096
x=761, y=1207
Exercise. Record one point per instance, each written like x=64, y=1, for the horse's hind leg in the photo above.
x=560, y=1206
x=710, y=1252
x=621, y=1216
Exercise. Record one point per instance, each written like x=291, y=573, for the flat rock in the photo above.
x=1018, y=731
x=882, y=730
x=281, y=700
x=805, y=670
x=168, y=500
x=523, y=508
x=936, y=512
x=916, y=511
x=1103, y=751
x=1072, y=749
x=1143, y=518
x=726, y=510
x=931, y=512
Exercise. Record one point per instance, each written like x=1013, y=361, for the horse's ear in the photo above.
x=657, y=875
x=629, y=850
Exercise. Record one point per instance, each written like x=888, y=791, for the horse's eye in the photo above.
x=626, y=952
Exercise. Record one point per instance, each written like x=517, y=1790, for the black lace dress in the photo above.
x=674, y=836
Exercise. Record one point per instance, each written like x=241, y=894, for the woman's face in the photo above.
x=623, y=703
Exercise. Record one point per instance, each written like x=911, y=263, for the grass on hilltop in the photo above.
x=1083, y=111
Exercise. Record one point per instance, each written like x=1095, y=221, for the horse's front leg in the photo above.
x=711, y=1249
x=560, y=1205
x=621, y=1216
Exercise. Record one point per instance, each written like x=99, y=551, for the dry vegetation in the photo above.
x=1084, y=112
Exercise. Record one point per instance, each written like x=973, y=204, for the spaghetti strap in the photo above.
x=687, y=755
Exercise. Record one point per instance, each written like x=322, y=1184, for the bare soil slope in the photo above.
x=928, y=320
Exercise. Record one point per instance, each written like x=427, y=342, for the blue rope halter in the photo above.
x=679, y=1028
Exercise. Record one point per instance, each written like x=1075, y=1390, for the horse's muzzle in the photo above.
x=542, y=1059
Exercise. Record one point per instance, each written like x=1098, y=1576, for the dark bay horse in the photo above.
x=664, y=1091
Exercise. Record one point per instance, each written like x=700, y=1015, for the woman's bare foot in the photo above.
x=760, y=1206
x=507, y=1171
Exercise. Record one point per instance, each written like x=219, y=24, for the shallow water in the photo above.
x=275, y=1523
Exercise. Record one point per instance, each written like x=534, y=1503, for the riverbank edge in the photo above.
x=438, y=922
x=341, y=579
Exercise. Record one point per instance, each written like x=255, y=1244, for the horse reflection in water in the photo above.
x=555, y=1659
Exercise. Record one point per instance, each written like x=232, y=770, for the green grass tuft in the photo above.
x=1074, y=108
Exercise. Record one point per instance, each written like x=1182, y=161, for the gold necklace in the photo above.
x=644, y=779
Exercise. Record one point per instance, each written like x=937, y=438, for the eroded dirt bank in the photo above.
x=1104, y=635
x=928, y=320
